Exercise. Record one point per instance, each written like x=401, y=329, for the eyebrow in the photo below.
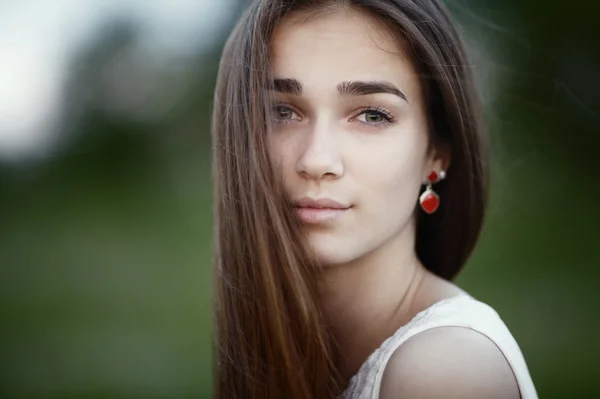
x=346, y=88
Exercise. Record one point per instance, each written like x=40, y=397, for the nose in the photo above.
x=321, y=158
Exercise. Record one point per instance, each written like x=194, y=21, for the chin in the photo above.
x=331, y=252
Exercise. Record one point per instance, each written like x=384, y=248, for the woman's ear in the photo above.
x=438, y=160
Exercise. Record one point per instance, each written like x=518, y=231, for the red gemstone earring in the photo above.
x=430, y=200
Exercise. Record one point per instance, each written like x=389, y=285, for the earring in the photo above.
x=430, y=200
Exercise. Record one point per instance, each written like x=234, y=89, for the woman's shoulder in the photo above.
x=448, y=362
x=458, y=346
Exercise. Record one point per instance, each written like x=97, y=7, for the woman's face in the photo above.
x=350, y=126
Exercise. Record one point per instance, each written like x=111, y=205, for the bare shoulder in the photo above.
x=448, y=362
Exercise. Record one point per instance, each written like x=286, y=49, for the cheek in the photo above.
x=390, y=176
x=280, y=153
x=273, y=147
x=390, y=197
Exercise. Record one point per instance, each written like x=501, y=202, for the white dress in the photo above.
x=459, y=311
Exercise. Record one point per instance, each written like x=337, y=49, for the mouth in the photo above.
x=318, y=211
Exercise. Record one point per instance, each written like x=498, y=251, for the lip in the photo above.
x=319, y=203
x=316, y=211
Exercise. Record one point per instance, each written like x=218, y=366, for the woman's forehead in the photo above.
x=343, y=45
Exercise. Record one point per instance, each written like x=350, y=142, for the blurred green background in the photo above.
x=105, y=196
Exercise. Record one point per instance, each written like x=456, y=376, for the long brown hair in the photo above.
x=271, y=341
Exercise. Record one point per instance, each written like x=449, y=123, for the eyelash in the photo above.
x=388, y=117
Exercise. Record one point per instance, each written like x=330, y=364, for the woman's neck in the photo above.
x=368, y=300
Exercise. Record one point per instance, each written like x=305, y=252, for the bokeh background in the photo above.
x=105, y=196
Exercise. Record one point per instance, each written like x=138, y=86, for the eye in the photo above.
x=375, y=116
x=283, y=113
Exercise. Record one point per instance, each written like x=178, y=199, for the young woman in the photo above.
x=350, y=185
